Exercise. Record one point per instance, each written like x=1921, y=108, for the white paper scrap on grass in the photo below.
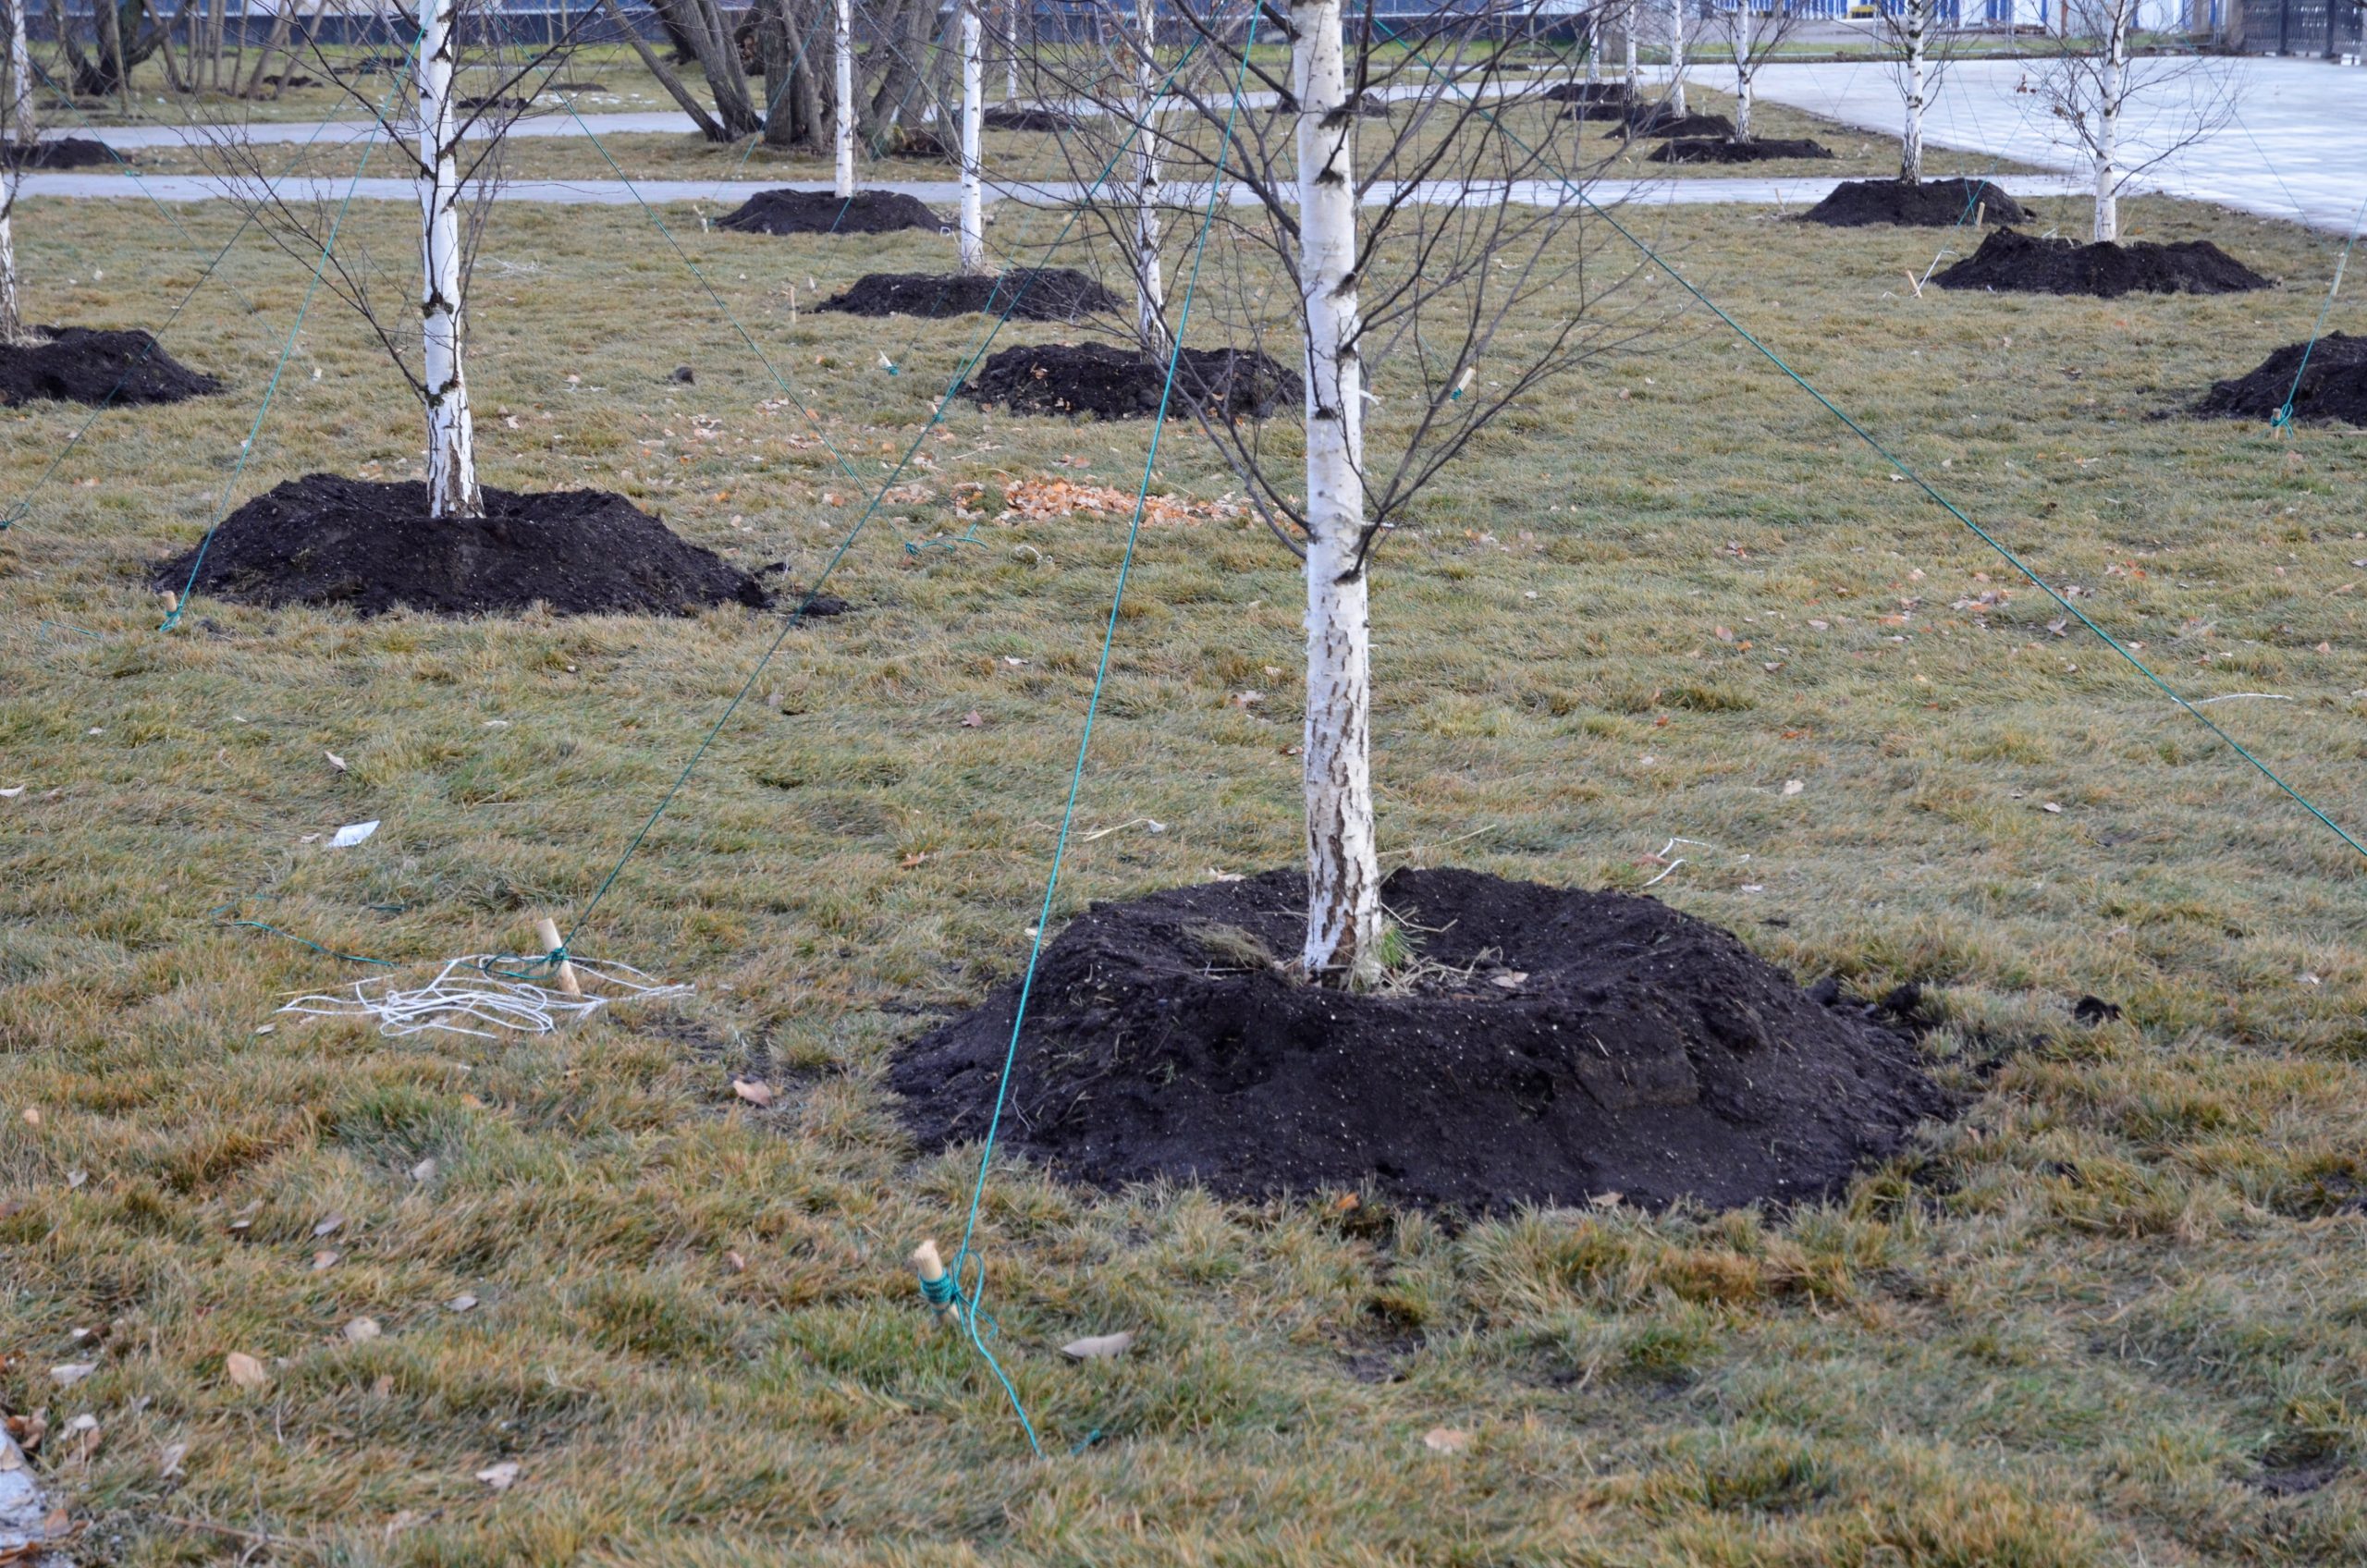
x=351, y=834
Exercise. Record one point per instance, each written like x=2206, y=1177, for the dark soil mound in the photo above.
x=491, y=100
x=577, y=87
x=1108, y=382
x=1935, y=204
x=1004, y=116
x=1589, y=92
x=1616, y=111
x=64, y=153
x=1031, y=294
x=2333, y=387
x=2013, y=260
x=327, y=540
x=1711, y=150
x=1570, y=1043
x=82, y=365
x=1660, y=122
x=824, y=212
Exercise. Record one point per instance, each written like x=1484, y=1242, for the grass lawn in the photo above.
x=2112, y=1314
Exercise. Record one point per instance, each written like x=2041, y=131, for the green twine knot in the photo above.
x=938, y=1292
x=16, y=515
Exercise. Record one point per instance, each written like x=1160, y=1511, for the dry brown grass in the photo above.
x=2076, y=1326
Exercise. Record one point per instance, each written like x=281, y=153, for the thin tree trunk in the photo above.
x=273, y=42
x=452, y=441
x=2108, y=128
x=1594, y=44
x=1627, y=38
x=1010, y=51
x=773, y=55
x=842, y=105
x=972, y=247
x=1677, y=56
x=1343, y=870
x=719, y=58
x=1151, y=292
x=239, y=53
x=1746, y=37
x=23, y=123
x=113, y=56
x=681, y=94
x=1911, y=151
x=214, y=45
x=12, y=321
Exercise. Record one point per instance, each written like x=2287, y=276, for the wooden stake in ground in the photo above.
x=451, y=439
x=973, y=243
x=546, y=933
x=842, y=111
x=931, y=1270
x=1342, y=870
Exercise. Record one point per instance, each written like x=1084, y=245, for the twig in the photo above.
x=2231, y=697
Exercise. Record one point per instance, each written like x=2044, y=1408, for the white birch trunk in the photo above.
x=1746, y=38
x=1677, y=56
x=1910, y=149
x=1742, y=102
x=1010, y=51
x=1150, y=290
x=1627, y=39
x=2107, y=225
x=842, y=82
x=21, y=121
x=972, y=247
x=12, y=320
x=452, y=441
x=1342, y=870
x=1594, y=44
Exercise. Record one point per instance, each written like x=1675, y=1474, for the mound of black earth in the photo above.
x=1931, y=203
x=2010, y=260
x=824, y=212
x=325, y=539
x=1006, y=116
x=1030, y=294
x=1589, y=92
x=61, y=152
x=1660, y=122
x=1108, y=382
x=1711, y=150
x=2331, y=387
x=577, y=87
x=1555, y=1046
x=75, y=364
x=1609, y=111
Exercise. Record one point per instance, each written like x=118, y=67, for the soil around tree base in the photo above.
x=1714, y=150
x=2010, y=260
x=1030, y=294
x=325, y=539
x=2333, y=385
x=1931, y=203
x=76, y=364
x=1007, y=117
x=62, y=153
x=1109, y=382
x=1660, y=122
x=1567, y=1044
x=825, y=211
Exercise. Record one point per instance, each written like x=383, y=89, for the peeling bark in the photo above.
x=1150, y=290
x=842, y=101
x=972, y=247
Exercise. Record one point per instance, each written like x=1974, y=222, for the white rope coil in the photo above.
x=476, y=990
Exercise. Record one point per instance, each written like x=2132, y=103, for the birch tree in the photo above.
x=842, y=99
x=1381, y=256
x=972, y=246
x=21, y=134
x=2088, y=85
x=1757, y=32
x=1677, y=56
x=452, y=437
x=1151, y=292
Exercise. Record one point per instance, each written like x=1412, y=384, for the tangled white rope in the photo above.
x=485, y=989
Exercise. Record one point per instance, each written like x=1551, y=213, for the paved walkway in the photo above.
x=2297, y=147
x=945, y=193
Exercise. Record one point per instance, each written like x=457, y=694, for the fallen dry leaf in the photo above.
x=244, y=1370
x=1098, y=1347
x=334, y=761
x=735, y=1261
x=974, y=719
x=72, y=1372
x=329, y=1225
x=1446, y=1439
x=324, y=1258
x=1511, y=979
x=360, y=1330
x=1792, y=786
x=423, y=1171
x=462, y=1303
x=168, y=1460
x=501, y=1476
x=754, y=1091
